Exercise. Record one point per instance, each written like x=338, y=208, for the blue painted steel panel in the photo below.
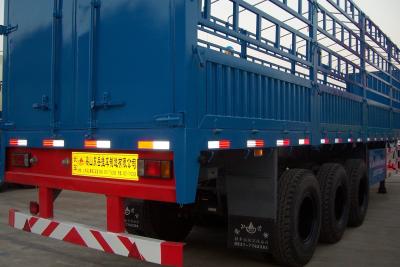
x=237, y=93
x=378, y=117
x=336, y=109
x=29, y=64
x=124, y=74
x=135, y=63
x=131, y=70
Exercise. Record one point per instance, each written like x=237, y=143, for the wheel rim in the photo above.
x=307, y=218
x=340, y=202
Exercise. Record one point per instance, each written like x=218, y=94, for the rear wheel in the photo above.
x=298, y=218
x=359, y=191
x=166, y=221
x=335, y=196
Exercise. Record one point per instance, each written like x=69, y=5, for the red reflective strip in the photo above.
x=74, y=237
x=224, y=144
x=50, y=229
x=306, y=141
x=11, y=218
x=131, y=247
x=26, y=227
x=286, y=142
x=32, y=221
x=259, y=143
x=13, y=142
x=103, y=243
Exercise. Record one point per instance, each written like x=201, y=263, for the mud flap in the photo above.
x=134, y=215
x=251, y=195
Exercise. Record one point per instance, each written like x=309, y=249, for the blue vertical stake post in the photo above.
x=55, y=72
x=313, y=58
x=391, y=89
x=363, y=77
x=95, y=6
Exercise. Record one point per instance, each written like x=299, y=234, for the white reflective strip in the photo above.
x=116, y=244
x=58, y=143
x=22, y=142
x=280, y=142
x=61, y=231
x=161, y=145
x=213, y=144
x=302, y=141
x=88, y=237
x=150, y=249
x=19, y=220
x=103, y=144
x=359, y=140
x=40, y=226
x=251, y=143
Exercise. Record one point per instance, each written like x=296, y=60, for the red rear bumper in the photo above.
x=51, y=171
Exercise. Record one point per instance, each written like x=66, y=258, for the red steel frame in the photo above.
x=115, y=209
x=49, y=174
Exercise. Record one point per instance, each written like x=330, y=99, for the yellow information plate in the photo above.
x=105, y=165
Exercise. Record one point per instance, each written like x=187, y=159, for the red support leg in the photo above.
x=46, y=199
x=115, y=214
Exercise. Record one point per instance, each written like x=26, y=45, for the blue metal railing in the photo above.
x=343, y=49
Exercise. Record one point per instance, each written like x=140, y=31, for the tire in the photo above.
x=164, y=221
x=298, y=221
x=359, y=191
x=335, y=202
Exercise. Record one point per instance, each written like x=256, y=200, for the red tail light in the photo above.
x=154, y=169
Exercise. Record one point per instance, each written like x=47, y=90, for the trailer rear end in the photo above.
x=184, y=111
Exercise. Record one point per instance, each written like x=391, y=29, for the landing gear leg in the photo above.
x=382, y=188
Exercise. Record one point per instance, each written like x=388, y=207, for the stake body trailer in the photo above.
x=273, y=114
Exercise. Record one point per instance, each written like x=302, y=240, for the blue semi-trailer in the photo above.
x=268, y=114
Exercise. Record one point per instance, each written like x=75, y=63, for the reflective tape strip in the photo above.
x=255, y=143
x=222, y=144
x=142, y=248
x=18, y=142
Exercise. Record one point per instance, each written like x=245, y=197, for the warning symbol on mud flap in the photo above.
x=249, y=233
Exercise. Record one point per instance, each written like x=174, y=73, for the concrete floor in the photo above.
x=376, y=243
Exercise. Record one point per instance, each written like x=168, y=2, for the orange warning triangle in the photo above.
x=74, y=238
x=26, y=228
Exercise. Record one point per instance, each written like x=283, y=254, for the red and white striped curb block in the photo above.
x=142, y=248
